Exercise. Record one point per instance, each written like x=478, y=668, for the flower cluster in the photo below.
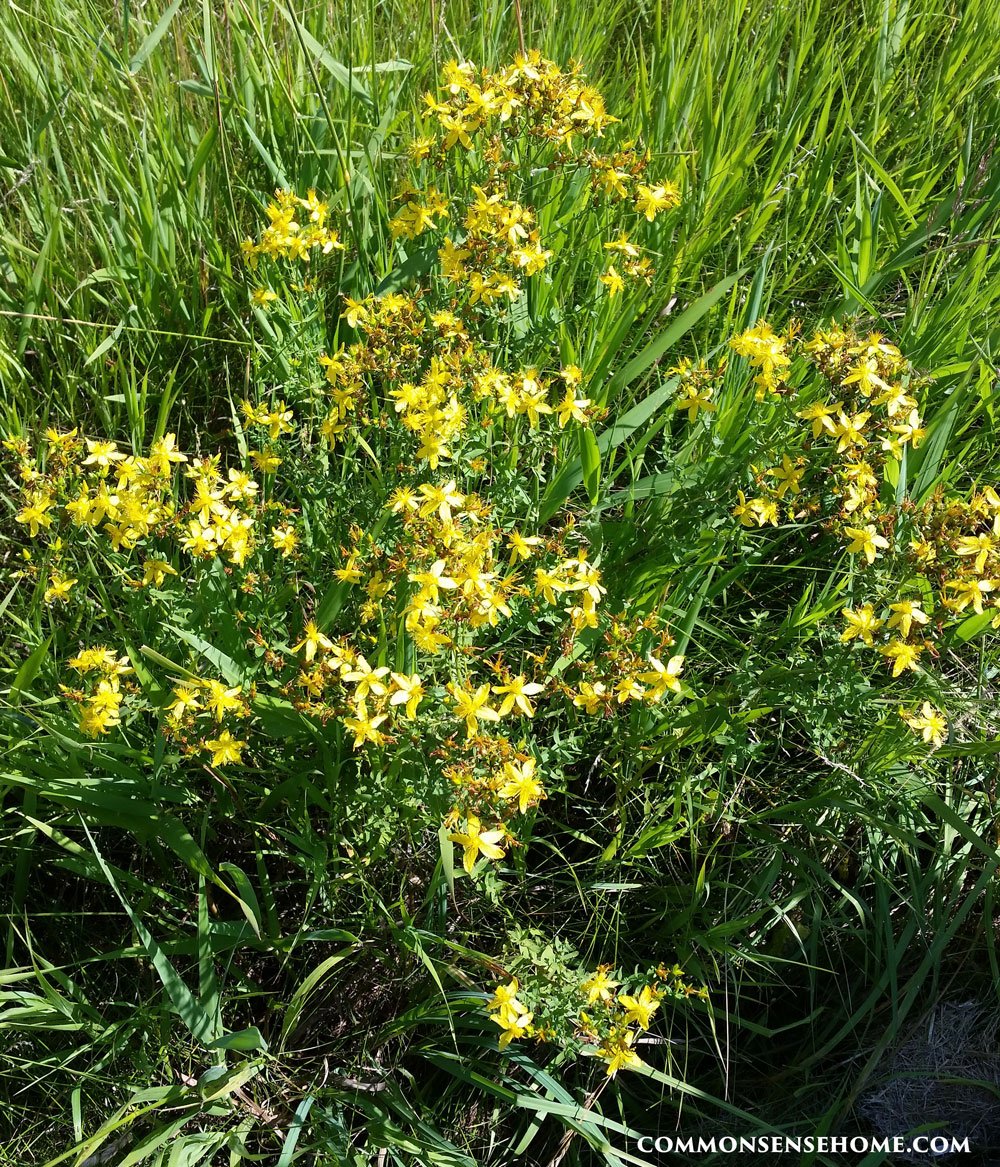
x=296, y=228
x=433, y=379
x=621, y=674
x=528, y=116
x=493, y=780
x=864, y=417
x=78, y=485
x=500, y=243
x=451, y=573
x=764, y=350
x=948, y=552
x=99, y=705
x=203, y=715
x=943, y=554
x=533, y=97
x=415, y=383
x=595, y=1014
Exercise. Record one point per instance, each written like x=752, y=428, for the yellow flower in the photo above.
x=821, y=415
x=201, y=540
x=409, y=692
x=590, y=697
x=968, y=591
x=624, y=246
x=225, y=749
x=366, y=679
x=402, y=499
x=440, y=499
x=756, y=512
x=457, y=130
x=186, y=699
x=521, y=545
x=506, y=995
x=284, y=539
x=420, y=148
x=350, y=572
x=516, y=694
x=765, y=350
x=866, y=378
x=162, y=455
x=866, y=541
x=356, y=313
x=640, y=1009
x=978, y=545
x=629, y=689
x=475, y=841
x=92, y=659
x=513, y=1025
x=261, y=297
x=58, y=441
x=58, y=589
x=905, y=614
x=471, y=706
x=848, y=430
x=102, y=709
x=903, y=656
x=612, y=281
x=692, y=398
x=600, y=986
x=663, y=677
x=650, y=200
x=617, y=1051
x=453, y=260
x=220, y=700
x=277, y=420
x=265, y=461
x=102, y=455
x=788, y=475
x=861, y=623
x=521, y=784
x=35, y=513
x=365, y=728
x=155, y=571
x=312, y=641
x=930, y=723
x=572, y=407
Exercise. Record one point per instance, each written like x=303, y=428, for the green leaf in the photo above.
x=29, y=670
x=154, y=38
x=590, y=460
x=447, y=858
x=190, y=1010
x=335, y=68
x=677, y=329
x=215, y=656
x=243, y=1039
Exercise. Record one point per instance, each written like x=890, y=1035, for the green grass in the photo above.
x=269, y=973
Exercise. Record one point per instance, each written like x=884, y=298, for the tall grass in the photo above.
x=835, y=159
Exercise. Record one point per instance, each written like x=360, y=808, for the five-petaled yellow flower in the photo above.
x=903, y=656
x=515, y=696
x=225, y=749
x=861, y=623
x=600, y=986
x=930, y=723
x=312, y=641
x=640, y=1009
x=865, y=540
x=521, y=784
x=475, y=842
x=471, y=706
